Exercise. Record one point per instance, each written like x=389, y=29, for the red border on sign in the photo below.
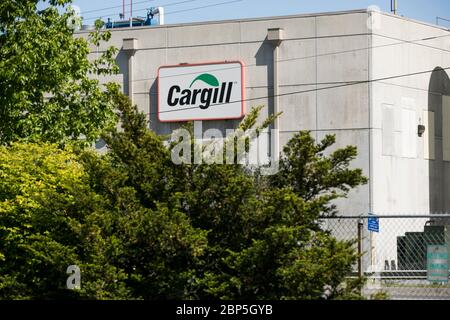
x=203, y=64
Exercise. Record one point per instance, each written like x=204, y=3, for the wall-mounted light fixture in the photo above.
x=420, y=130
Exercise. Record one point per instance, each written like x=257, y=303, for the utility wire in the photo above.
x=116, y=7
x=138, y=9
x=312, y=90
x=435, y=93
x=325, y=83
x=207, y=6
x=170, y=12
x=401, y=41
x=341, y=84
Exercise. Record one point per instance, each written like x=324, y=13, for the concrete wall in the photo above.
x=408, y=173
x=369, y=78
x=404, y=179
x=319, y=59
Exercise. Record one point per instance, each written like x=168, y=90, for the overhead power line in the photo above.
x=115, y=7
x=401, y=41
x=204, y=7
x=312, y=90
x=167, y=5
x=341, y=84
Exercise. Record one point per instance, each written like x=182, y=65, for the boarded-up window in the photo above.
x=388, y=147
x=391, y=130
x=429, y=135
x=409, y=133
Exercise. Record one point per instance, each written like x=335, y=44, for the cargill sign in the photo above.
x=212, y=91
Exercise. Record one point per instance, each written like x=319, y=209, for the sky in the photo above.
x=182, y=11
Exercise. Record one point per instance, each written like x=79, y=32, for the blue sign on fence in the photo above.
x=373, y=224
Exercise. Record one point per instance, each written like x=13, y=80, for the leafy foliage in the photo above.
x=50, y=219
x=261, y=236
x=141, y=227
x=138, y=225
x=49, y=90
x=315, y=177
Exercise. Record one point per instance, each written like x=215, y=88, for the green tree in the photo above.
x=265, y=240
x=162, y=248
x=140, y=226
x=49, y=90
x=310, y=174
x=263, y=234
x=50, y=219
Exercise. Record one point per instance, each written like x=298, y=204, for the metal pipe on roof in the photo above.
x=394, y=6
x=160, y=11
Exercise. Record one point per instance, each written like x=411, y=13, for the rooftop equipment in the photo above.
x=138, y=21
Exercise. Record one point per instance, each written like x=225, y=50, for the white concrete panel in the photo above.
x=256, y=76
x=301, y=27
x=343, y=107
x=297, y=62
x=299, y=110
x=340, y=24
x=404, y=28
x=343, y=59
x=203, y=35
x=214, y=53
x=258, y=97
x=146, y=64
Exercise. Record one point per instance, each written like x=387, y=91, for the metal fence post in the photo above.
x=360, y=237
x=403, y=242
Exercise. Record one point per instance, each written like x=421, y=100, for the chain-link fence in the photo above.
x=402, y=256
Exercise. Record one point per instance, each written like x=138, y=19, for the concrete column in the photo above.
x=130, y=47
x=275, y=36
x=130, y=78
x=276, y=101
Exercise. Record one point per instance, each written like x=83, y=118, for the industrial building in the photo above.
x=376, y=80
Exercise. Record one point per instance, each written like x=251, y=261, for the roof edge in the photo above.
x=302, y=15
x=432, y=25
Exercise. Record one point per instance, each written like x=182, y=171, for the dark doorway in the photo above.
x=439, y=171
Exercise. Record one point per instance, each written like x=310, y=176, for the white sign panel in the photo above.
x=437, y=263
x=212, y=91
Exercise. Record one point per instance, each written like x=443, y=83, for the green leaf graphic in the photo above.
x=207, y=78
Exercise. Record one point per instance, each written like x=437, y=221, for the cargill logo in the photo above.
x=213, y=92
